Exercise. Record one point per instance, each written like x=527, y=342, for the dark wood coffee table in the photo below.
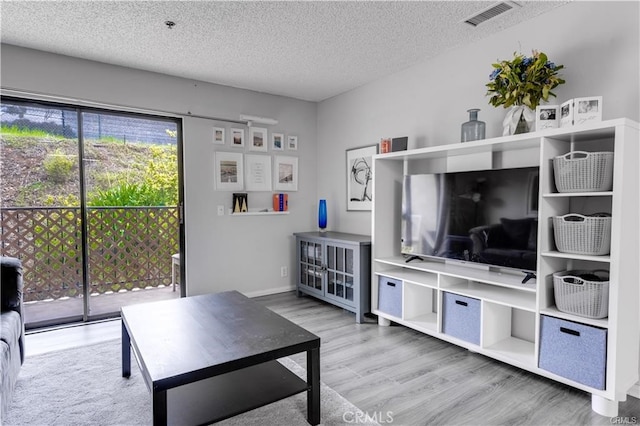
x=206, y=358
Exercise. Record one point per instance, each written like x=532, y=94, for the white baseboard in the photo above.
x=269, y=291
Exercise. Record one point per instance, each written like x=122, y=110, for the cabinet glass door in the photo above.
x=311, y=265
x=340, y=273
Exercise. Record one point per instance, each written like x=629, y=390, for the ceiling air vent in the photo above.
x=491, y=12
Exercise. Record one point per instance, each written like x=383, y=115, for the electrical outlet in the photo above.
x=220, y=210
x=284, y=271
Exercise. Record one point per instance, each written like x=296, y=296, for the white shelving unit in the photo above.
x=511, y=312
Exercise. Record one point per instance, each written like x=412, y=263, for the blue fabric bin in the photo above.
x=390, y=296
x=574, y=351
x=461, y=317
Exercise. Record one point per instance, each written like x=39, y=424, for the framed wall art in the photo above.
x=218, y=135
x=229, y=171
x=257, y=172
x=360, y=177
x=285, y=174
x=258, y=139
x=292, y=143
x=277, y=141
x=237, y=138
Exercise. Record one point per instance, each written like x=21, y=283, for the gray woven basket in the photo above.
x=579, y=234
x=576, y=295
x=581, y=171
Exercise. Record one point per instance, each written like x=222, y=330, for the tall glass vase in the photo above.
x=322, y=215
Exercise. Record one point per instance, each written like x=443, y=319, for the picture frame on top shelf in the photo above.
x=292, y=143
x=237, y=137
x=218, y=135
x=285, y=173
x=277, y=141
x=587, y=110
x=258, y=139
x=229, y=171
x=547, y=117
x=566, y=113
x=257, y=172
x=360, y=177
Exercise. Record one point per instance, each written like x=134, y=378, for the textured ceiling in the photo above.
x=309, y=50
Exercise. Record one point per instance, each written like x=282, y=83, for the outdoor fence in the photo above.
x=128, y=248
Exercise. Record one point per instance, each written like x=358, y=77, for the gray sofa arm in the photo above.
x=11, y=291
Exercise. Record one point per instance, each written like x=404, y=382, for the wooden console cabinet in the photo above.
x=490, y=311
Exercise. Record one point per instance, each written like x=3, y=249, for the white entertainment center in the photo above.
x=502, y=313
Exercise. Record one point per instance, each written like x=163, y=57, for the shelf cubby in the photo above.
x=420, y=306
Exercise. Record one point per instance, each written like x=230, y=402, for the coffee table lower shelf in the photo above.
x=220, y=397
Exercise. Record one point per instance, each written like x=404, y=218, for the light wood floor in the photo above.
x=400, y=374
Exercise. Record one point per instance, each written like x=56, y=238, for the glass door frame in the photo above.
x=80, y=109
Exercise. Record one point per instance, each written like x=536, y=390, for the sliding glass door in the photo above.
x=90, y=204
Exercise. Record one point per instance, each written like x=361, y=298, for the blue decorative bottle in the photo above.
x=322, y=215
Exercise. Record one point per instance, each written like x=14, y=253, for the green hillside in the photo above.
x=41, y=170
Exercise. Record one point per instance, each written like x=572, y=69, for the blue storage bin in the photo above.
x=575, y=351
x=461, y=317
x=390, y=296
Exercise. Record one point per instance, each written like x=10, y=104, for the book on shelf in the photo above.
x=280, y=202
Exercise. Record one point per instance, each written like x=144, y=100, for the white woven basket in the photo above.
x=579, y=234
x=582, y=297
x=581, y=171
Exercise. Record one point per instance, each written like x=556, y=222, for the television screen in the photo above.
x=486, y=217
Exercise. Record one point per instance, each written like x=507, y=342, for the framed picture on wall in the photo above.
x=360, y=177
x=277, y=141
x=292, y=143
x=257, y=172
x=258, y=139
x=237, y=138
x=285, y=174
x=218, y=135
x=229, y=171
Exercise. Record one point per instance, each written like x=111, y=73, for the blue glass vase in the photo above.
x=322, y=215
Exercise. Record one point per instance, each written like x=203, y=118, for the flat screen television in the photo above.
x=486, y=217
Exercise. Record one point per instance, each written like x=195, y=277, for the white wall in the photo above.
x=223, y=253
x=428, y=102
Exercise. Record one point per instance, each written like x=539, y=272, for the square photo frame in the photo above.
x=360, y=177
x=218, y=135
x=229, y=170
x=277, y=141
x=285, y=173
x=237, y=138
x=547, y=117
x=587, y=110
x=292, y=143
x=258, y=139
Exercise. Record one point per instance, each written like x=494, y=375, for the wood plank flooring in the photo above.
x=407, y=378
